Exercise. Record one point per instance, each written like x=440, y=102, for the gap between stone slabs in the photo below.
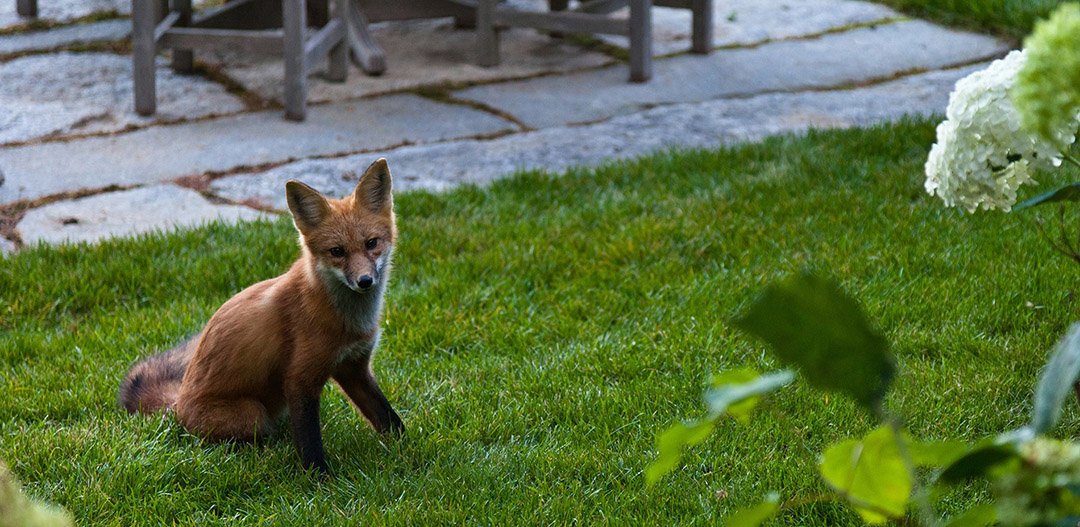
x=832, y=60
x=65, y=93
x=107, y=30
x=164, y=153
x=710, y=124
x=126, y=213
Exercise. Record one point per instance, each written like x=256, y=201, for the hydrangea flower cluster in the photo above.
x=983, y=154
x=1047, y=92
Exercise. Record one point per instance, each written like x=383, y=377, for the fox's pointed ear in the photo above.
x=308, y=207
x=374, y=190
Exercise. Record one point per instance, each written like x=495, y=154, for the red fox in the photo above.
x=274, y=345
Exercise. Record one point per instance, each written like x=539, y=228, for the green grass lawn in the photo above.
x=539, y=333
x=1010, y=18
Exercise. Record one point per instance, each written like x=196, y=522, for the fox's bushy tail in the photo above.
x=154, y=382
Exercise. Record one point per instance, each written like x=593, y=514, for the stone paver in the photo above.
x=65, y=93
x=854, y=56
x=65, y=36
x=420, y=53
x=126, y=213
x=166, y=152
x=709, y=124
x=743, y=22
x=62, y=10
x=6, y=247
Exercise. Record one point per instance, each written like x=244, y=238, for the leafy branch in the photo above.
x=817, y=330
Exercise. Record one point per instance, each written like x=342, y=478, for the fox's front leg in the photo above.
x=358, y=382
x=307, y=433
x=303, y=387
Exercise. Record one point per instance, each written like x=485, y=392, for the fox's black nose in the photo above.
x=364, y=282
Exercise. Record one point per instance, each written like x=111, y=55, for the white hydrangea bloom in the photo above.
x=983, y=155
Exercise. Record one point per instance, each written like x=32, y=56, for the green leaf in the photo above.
x=755, y=515
x=870, y=474
x=936, y=454
x=979, y=461
x=671, y=444
x=1066, y=193
x=739, y=410
x=977, y=516
x=1056, y=383
x=811, y=324
x=738, y=399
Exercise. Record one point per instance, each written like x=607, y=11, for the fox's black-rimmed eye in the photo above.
x=371, y=244
x=337, y=252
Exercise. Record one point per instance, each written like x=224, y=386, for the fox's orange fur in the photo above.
x=274, y=345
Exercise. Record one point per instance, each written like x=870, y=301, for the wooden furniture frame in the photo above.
x=366, y=53
x=590, y=16
x=274, y=26
x=26, y=8
x=269, y=26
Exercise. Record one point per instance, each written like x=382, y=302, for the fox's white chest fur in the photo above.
x=359, y=309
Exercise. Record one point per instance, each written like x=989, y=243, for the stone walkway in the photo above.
x=77, y=164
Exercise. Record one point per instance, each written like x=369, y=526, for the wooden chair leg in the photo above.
x=702, y=36
x=161, y=9
x=555, y=6
x=294, y=18
x=143, y=17
x=183, y=60
x=26, y=8
x=487, y=35
x=366, y=52
x=338, y=67
x=640, y=40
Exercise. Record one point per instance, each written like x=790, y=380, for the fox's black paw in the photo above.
x=397, y=427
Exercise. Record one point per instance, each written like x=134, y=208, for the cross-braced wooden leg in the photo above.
x=640, y=40
x=294, y=18
x=487, y=35
x=183, y=60
x=26, y=8
x=338, y=68
x=702, y=35
x=366, y=53
x=143, y=17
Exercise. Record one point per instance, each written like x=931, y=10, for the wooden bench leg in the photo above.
x=143, y=18
x=183, y=60
x=702, y=36
x=338, y=68
x=26, y=8
x=487, y=35
x=294, y=18
x=640, y=40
